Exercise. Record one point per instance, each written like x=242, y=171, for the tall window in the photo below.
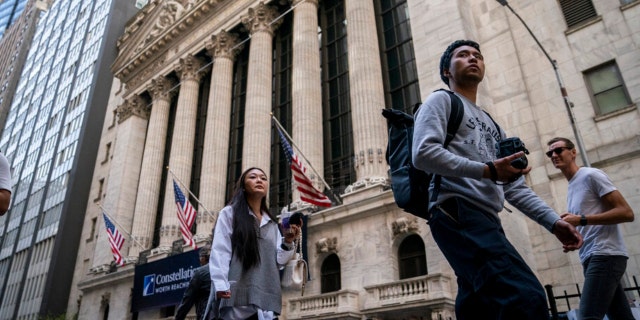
x=338, y=134
x=330, y=274
x=576, y=12
x=402, y=90
x=412, y=260
x=607, y=88
x=237, y=119
x=280, y=188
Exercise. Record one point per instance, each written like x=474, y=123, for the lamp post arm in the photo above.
x=563, y=90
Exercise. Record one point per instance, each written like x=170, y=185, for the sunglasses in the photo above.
x=557, y=151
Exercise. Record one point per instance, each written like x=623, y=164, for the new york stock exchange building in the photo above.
x=200, y=82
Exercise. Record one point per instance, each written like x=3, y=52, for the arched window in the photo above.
x=330, y=274
x=412, y=260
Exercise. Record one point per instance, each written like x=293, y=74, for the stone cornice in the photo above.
x=173, y=20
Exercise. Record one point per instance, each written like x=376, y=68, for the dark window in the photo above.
x=339, y=170
x=577, y=12
x=412, y=260
x=399, y=62
x=607, y=88
x=280, y=188
x=330, y=274
x=237, y=119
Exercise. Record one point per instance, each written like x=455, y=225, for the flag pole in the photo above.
x=104, y=211
x=191, y=193
x=284, y=131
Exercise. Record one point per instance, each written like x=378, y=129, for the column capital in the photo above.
x=160, y=88
x=260, y=19
x=190, y=67
x=296, y=2
x=224, y=45
x=134, y=105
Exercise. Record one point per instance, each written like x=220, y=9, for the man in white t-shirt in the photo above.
x=5, y=185
x=596, y=208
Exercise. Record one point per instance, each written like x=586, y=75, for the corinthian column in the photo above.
x=256, y=149
x=224, y=49
x=133, y=115
x=182, y=143
x=367, y=93
x=151, y=171
x=306, y=89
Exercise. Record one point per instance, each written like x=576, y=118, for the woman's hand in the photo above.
x=223, y=294
x=292, y=233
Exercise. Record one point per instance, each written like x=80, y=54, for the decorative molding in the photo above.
x=260, y=19
x=404, y=225
x=160, y=88
x=190, y=68
x=133, y=106
x=224, y=45
x=327, y=245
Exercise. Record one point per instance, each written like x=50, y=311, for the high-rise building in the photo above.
x=198, y=81
x=14, y=47
x=50, y=138
x=10, y=11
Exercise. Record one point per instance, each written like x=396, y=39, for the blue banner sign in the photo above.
x=162, y=283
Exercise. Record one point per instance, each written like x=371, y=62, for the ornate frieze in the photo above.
x=327, y=245
x=404, y=225
x=134, y=105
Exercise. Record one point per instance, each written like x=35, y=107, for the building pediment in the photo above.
x=156, y=26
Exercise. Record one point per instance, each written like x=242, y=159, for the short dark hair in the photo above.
x=567, y=143
x=445, y=60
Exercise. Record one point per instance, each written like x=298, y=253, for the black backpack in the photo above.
x=410, y=186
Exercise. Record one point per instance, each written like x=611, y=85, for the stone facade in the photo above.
x=520, y=90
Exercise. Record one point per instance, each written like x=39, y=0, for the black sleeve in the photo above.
x=188, y=299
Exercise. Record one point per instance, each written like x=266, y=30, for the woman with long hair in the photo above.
x=248, y=251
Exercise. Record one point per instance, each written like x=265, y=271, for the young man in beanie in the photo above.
x=494, y=282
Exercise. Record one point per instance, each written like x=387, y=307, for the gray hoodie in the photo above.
x=462, y=163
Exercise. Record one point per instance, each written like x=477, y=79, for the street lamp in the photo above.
x=563, y=90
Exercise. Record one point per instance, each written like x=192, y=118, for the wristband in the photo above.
x=583, y=220
x=492, y=170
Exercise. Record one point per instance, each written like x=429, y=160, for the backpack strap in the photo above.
x=455, y=119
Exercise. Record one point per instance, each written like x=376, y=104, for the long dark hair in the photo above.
x=244, y=239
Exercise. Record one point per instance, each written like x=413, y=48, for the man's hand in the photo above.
x=505, y=172
x=223, y=294
x=568, y=235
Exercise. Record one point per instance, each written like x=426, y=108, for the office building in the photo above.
x=50, y=139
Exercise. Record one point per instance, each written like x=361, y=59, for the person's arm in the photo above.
x=5, y=200
x=522, y=197
x=286, y=248
x=5, y=185
x=618, y=211
x=221, y=251
x=188, y=298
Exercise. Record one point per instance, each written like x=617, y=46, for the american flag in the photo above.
x=186, y=215
x=116, y=240
x=308, y=192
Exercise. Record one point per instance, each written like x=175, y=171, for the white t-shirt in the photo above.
x=586, y=188
x=5, y=173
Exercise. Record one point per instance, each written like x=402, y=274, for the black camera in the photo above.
x=509, y=146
